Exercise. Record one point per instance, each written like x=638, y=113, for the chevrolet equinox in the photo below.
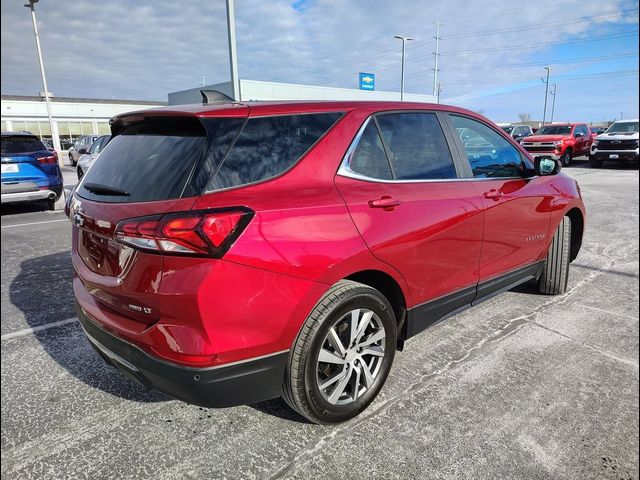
x=232, y=253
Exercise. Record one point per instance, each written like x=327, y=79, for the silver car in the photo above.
x=80, y=147
x=88, y=158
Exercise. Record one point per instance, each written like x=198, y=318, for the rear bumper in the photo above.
x=240, y=383
x=33, y=196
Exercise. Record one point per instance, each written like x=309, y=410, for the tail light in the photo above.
x=49, y=160
x=202, y=233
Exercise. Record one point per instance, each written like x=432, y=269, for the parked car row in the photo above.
x=565, y=141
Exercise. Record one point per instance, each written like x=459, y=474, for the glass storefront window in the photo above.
x=104, y=129
x=45, y=129
x=87, y=128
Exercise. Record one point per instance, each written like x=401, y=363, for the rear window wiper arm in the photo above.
x=100, y=189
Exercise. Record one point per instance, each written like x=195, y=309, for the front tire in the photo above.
x=555, y=275
x=342, y=355
x=594, y=162
x=566, y=158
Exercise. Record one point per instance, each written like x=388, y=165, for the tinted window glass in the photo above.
x=488, y=152
x=99, y=144
x=369, y=158
x=21, y=145
x=150, y=160
x=267, y=146
x=417, y=146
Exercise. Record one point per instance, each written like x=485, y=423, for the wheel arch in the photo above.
x=577, y=231
x=391, y=289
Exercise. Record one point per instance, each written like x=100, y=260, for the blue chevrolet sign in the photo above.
x=367, y=81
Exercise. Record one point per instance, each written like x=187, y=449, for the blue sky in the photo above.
x=493, y=53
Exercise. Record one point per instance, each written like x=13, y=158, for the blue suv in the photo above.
x=30, y=172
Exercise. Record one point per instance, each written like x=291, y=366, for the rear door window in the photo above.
x=417, y=147
x=16, y=144
x=369, y=158
x=268, y=146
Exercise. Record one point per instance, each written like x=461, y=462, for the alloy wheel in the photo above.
x=350, y=357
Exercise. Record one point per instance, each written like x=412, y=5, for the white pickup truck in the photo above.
x=618, y=144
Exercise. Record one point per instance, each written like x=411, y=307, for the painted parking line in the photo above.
x=30, y=331
x=35, y=223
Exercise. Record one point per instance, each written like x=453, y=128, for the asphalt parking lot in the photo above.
x=522, y=386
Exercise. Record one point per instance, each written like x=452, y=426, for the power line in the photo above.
x=557, y=78
x=540, y=25
x=544, y=44
x=547, y=62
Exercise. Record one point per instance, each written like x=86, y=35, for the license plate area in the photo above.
x=9, y=168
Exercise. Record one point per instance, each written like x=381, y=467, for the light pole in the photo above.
x=553, y=104
x=233, y=54
x=54, y=137
x=546, y=94
x=436, y=54
x=404, y=41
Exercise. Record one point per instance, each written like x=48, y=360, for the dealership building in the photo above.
x=73, y=117
x=255, y=90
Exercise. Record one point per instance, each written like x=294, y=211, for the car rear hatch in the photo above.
x=25, y=164
x=156, y=164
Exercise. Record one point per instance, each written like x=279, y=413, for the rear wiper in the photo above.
x=100, y=189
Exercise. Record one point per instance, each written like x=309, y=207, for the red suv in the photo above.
x=234, y=253
x=560, y=141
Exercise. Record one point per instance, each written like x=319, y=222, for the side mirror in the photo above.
x=578, y=135
x=82, y=151
x=547, y=166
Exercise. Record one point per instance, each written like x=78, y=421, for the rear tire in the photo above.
x=594, y=162
x=555, y=275
x=325, y=379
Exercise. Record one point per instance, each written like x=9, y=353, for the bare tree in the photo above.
x=524, y=117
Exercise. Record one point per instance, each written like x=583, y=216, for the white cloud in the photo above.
x=146, y=49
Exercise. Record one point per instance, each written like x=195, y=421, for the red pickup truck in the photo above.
x=560, y=141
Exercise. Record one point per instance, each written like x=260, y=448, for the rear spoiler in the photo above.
x=215, y=96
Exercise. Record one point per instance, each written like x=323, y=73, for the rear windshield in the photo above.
x=154, y=159
x=12, y=145
x=172, y=157
x=269, y=146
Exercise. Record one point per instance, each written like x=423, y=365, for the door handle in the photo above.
x=385, y=202
x=493, y=194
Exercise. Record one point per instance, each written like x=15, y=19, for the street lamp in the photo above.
x=553, y=105
x=54, y=137
x=546, y=94
x=404, y=41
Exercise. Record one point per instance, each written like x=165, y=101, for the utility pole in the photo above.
x=553, y=105
x=546, y=94
x=233, y=54
x=54, y=136
x=404, y=41
x=439, y=91
x=436, y=54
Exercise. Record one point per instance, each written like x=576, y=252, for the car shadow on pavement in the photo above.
x=43, y=292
